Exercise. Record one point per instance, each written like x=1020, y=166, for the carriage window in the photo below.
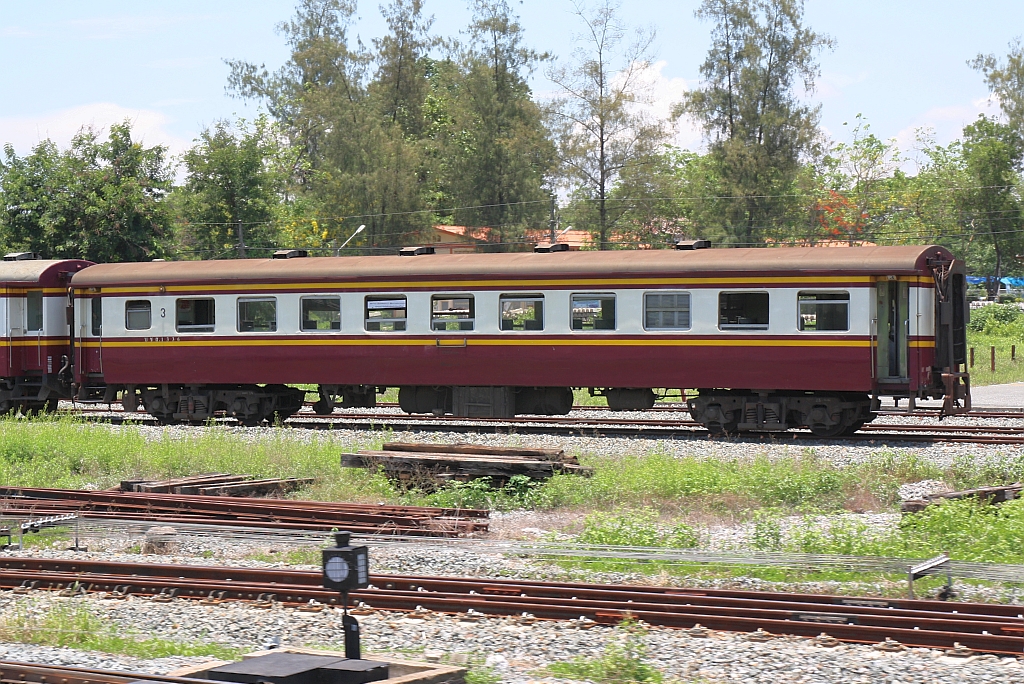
x=522, y=312
x=743, y=311
x=257, y=314
x=593, y=312
x=824, y=311
x=667, y=311
x=449, y=313
x=385, y=314
x=138, y=314
x=321, y=313
x=195, y=315
x=96, y=310
x=34, y=309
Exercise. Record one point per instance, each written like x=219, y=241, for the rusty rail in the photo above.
x=934, y=624
x=243, y=512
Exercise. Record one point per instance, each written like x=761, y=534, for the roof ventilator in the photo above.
x=546, y=247
x=290, y=254
x=415, y=251
x=693, y=244
x=21, y=256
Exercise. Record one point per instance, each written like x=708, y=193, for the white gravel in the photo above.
x=516, y=652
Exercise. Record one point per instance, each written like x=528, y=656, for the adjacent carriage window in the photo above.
x=34, y=309
x=593, y=312
x=743, y=311
x=667, y=311
x=448, y=313
x=522, y=312
x=321, y=313
x=138, y=314
x=195, y=315
x=385, y=314
x=821, y=311
x=257, y=314
x=96, y=310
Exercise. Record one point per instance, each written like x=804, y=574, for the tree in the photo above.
x=600, y=130
x=990, y=203
x=504, y=152
x=757, y=128
x=100, y=201
x=1005, y=80
x=401, y=81
x=233, y=191
x=356, y=160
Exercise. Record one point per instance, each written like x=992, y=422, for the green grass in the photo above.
x=965, y=529
x=623, y=662
x=75, y=626
x=1000, y=326
x=66, y=452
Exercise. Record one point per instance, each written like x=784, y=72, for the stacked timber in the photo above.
x=990, y=495
x=464, y=462
x=218, y=484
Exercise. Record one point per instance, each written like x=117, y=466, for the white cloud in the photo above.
x=148, y=126
x=662, y=94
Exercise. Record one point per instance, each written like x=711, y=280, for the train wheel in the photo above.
x=5, y=407
x=827, y=431
x=722, y=429
x=852, y=429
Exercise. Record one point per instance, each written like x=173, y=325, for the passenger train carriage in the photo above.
x=771, y=338
x=33, y=315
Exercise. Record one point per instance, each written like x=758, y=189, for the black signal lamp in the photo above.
x=346, y=567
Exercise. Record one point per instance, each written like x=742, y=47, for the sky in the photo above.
x=902, y=64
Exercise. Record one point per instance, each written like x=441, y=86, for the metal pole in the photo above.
x=993, y=359
x=552, y=222
x=241, y=242
x=972, y=357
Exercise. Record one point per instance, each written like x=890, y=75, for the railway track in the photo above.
x=614, y=427
x=933, y=624
x=286, y=514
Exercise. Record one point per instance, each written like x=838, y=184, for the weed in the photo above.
x=78, y=627
x=623, y=662
x=965, y=529
x=637, y=527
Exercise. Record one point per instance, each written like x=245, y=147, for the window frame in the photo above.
x=386, y=298
x=799, y=315
x=689, y=310
x=194, y=329
x=148, y=309
x=442, y=297
x=35, y=295
x=303, y=319
x=599, y=295
x=744, y=327
x=526, y=296
x=96, y=316
x=247, y=300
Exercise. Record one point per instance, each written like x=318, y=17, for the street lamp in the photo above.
x=359, y=230
x=346, y=568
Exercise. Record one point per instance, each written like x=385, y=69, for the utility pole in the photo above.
x=241, y=241
x=552, y=222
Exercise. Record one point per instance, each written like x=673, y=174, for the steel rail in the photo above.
x=12, y=672
x=242, y=511
x=982, y=627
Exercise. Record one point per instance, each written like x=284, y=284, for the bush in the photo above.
x=1000, y=320
x=635, y=528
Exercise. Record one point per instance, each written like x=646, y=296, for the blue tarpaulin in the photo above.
x=1008, y=281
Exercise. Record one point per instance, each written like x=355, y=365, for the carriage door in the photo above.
x=893, y=302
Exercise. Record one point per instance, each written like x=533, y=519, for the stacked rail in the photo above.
x=169, y=509
x=989, y=628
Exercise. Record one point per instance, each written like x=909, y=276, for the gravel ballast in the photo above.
x=515, y=652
